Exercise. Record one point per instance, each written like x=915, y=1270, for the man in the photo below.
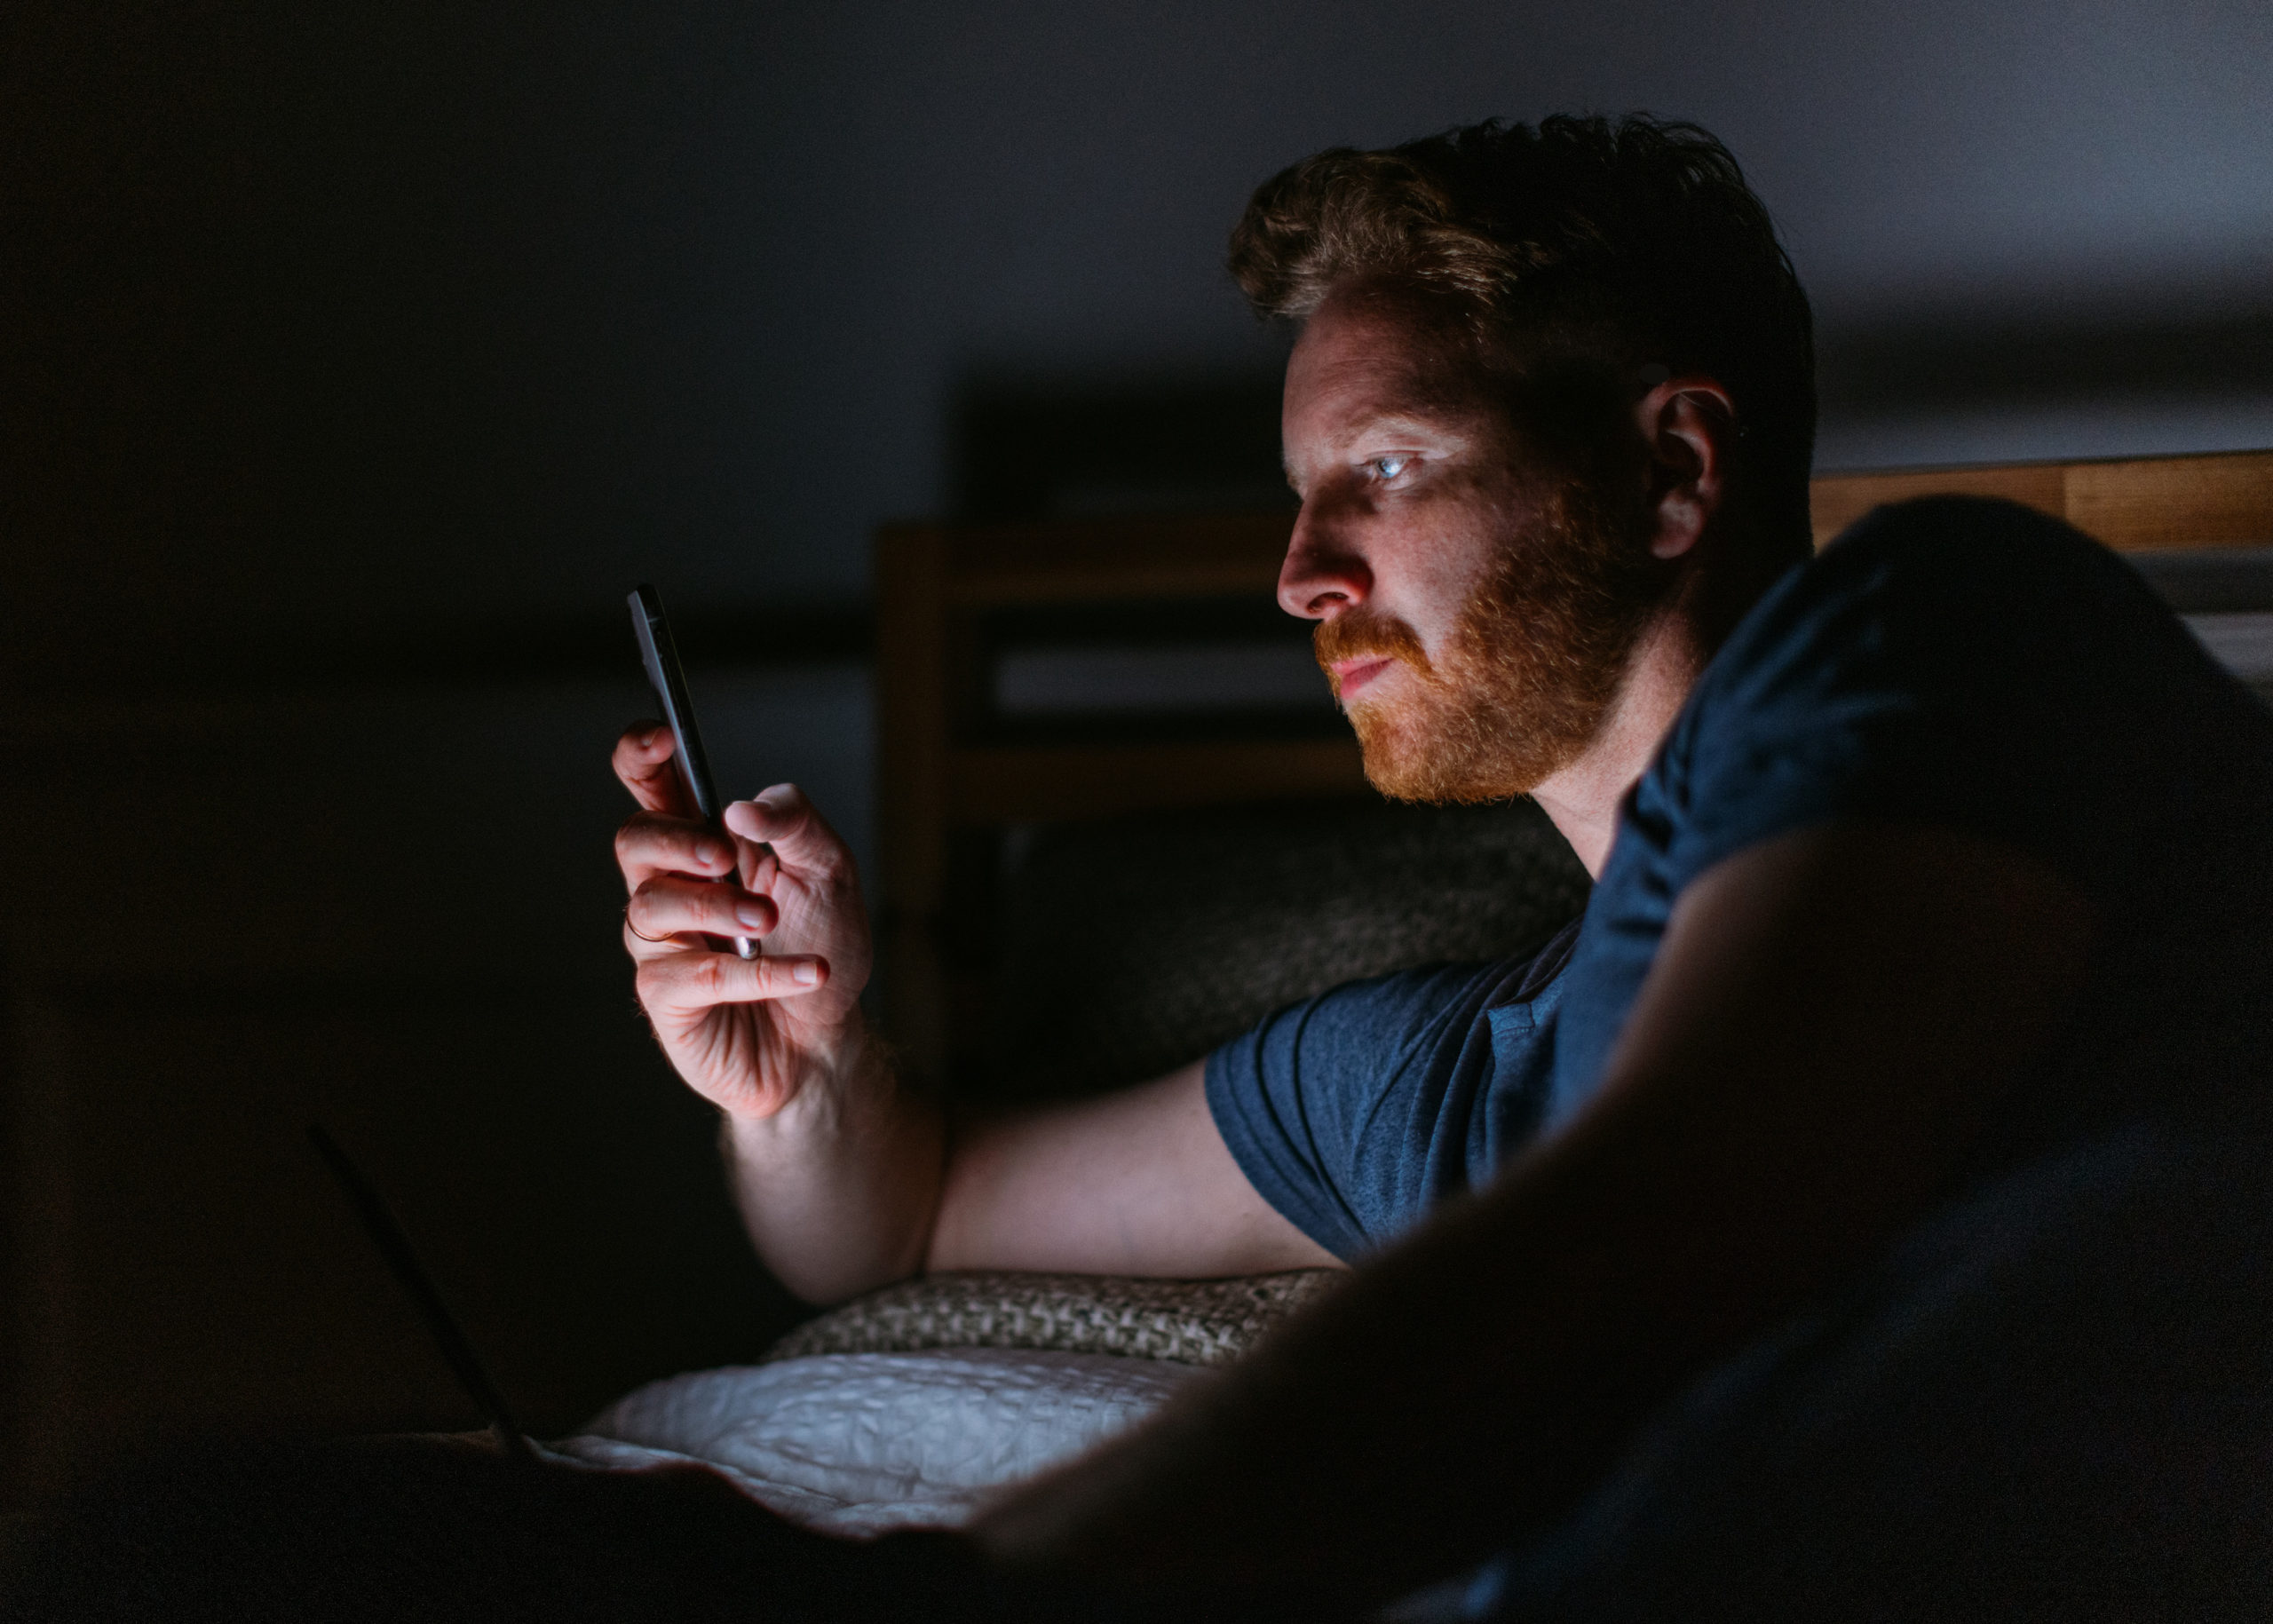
x=1920, y=980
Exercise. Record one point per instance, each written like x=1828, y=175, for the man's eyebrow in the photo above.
x=1408, y=422
x=1445, y=429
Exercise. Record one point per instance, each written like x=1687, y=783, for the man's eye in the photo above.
x=1388, y=467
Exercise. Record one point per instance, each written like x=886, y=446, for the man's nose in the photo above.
x=1322, y=576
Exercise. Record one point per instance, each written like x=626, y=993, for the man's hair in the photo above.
x=1628, y=242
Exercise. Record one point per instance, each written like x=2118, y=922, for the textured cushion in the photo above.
x=1134, y=946
x=1193, y=1322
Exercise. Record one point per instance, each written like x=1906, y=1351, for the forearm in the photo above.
x=839, y=1189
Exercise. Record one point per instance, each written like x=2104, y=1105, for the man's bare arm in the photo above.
x=1831, y=1019
x=1139, y=1182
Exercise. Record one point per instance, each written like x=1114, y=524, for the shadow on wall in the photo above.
x=1960, y=362
x=1982, y=386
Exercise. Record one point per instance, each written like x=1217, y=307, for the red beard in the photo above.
x=1530, y=667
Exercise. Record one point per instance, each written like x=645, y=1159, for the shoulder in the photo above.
x=1983, y=531
x=1944, y=573
x=1947, y=603
x=1952, y=660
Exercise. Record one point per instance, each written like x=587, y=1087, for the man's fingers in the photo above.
x=643, y=765
x=650, y=844
x=668, y=905
x=782, y=817
x=687, y=983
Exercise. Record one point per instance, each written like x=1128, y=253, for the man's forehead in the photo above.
x=1368, y=358
x=1385, y=327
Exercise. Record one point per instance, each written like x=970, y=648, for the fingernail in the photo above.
x=710, y=853
x=751, y=912
x=807, y=974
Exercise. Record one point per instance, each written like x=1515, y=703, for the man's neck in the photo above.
x=1582, y=798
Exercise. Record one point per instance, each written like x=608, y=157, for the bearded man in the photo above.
x=1794, y=1233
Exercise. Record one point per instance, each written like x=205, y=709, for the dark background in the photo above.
x=355, y=361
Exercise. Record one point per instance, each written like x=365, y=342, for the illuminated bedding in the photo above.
x=863, y=1443
x=902, y=1408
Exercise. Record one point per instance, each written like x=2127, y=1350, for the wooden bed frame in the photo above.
x=947, y=784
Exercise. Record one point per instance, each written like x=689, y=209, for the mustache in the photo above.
x=1363, y=635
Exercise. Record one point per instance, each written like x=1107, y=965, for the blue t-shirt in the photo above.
x=1952, y=662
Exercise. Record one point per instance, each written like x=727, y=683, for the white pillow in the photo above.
x=862, y=1442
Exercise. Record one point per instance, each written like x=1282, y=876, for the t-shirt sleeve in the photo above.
x=1348, y=1111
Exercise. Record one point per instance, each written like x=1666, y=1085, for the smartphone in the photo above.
x=660, y=656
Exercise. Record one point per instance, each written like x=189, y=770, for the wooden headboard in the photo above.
x=950, y=779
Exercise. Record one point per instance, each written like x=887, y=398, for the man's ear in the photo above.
x=1689, y=430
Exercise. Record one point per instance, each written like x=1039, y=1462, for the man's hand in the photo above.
x=845, y=1179
x=747, y=1035
x=835, y=1169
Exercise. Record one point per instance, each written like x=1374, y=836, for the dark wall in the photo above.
x=330, y=323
